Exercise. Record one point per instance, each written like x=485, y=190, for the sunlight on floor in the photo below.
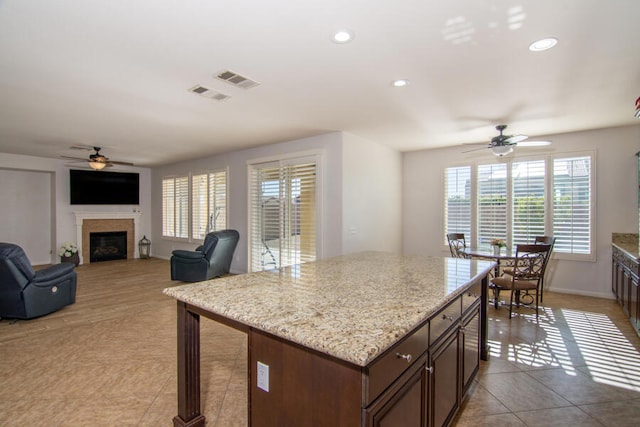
x=564, y=338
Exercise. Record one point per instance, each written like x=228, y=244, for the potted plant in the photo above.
x=497, y=244
x=69, y=253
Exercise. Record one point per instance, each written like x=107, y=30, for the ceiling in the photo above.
x=117, y=73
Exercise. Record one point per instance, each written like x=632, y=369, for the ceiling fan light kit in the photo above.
x=502, y=150
x=95, y=165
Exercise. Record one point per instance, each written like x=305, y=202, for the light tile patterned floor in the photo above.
x=578, y=365
x=110, y=360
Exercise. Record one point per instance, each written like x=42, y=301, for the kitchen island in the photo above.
x=358, y=340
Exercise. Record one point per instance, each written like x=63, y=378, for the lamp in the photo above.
x=501, y=150
x=97, y=165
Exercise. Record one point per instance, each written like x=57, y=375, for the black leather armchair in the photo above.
x=26, y=293
x=212, y=259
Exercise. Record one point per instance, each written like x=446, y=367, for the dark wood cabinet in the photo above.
x=419, y=382
x=403, y=405
x=444, y=380
x=625, y=284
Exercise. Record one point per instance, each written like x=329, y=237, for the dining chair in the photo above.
x=457, y=244
x=545, y=240
x=527, y=274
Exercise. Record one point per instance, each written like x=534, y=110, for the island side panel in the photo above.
x=306, y=388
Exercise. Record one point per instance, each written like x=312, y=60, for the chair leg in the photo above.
x=511, y=304
x=541, y=289
x=496, y=297
x=538, y=293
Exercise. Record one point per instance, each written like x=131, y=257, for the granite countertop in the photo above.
x=627, y=242
x=352, y=307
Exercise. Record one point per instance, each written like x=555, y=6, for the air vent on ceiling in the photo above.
x=209, y=93
x=236, y=79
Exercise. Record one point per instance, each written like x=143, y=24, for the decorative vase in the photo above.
x=73, y=259
x=496, y=250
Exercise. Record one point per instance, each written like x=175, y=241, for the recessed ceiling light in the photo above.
x=400, y=83
x=544, y=44
x=342, y=36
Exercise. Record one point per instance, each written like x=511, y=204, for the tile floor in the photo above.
x=109, y=360
x=579, y=365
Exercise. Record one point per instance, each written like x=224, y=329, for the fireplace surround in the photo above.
x=87, y=222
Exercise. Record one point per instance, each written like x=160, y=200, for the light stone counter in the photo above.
x=627, y=242
x=351, y=307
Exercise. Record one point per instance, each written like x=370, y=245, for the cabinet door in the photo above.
x=614, y=276
x=634, y=303
x=470, y=342
x=403, y=405
x=625, y=290
x=443, y=365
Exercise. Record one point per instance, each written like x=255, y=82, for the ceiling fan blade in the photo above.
x=120, y=163
x=74, y=158
x=534, y=143
x=476, y=149
x=514, y=139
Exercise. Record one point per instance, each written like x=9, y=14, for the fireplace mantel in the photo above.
x=81, y=216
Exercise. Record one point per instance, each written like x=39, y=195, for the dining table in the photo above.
x=505, y=256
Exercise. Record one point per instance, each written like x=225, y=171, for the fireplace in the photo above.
x=107, y=246
x=103, y=222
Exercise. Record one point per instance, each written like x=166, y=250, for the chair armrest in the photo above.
x=53, y=272
x=199, y=248
x=187, y=254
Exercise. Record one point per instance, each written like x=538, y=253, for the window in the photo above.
x=282, y=213
x=492, y=202
x=175, y=207
x=457, y=200
x=521, y=199
x=528, y=189
x=572, y=205
x=208, y=203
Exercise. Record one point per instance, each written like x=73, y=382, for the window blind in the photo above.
x=208, y=203
x=492, y=202
x=175, y=207
x=572, y=205
x=528, y=192
x=457, y=200
x=283, y=214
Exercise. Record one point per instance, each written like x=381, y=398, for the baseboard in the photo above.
x=606, y=295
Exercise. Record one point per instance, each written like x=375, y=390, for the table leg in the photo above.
x=484, y=321
x=188, y=369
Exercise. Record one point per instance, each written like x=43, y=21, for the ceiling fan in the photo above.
x=502, y=145
x=96, y=160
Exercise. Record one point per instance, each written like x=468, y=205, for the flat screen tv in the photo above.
x=89, y=187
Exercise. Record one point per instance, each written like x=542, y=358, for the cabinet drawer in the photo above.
x=390, y=365
x=445, y=318
x=471, y=296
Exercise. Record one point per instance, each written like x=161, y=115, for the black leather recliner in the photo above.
x=26, y=293
x=212, y=259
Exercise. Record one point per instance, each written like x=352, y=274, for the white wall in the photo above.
x=372, y=196
x=616, y=202
x=64, y=225
x=25, y=208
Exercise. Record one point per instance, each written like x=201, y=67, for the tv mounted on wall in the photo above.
x=89, y=187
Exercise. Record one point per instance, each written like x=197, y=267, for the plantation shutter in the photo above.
x=283, y=214
x=572, y=205
x=208, y=201
x=492, y=202
x=457, y=200
x=528, y=192
x=175, y=207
